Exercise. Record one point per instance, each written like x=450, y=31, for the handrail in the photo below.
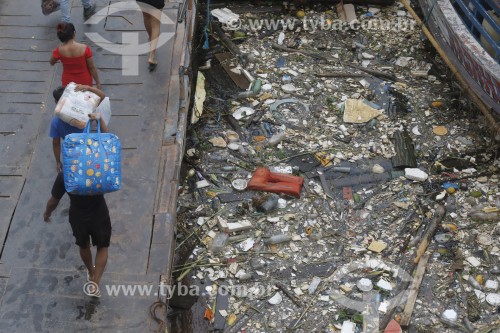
x=478, y=25
x=494, y=6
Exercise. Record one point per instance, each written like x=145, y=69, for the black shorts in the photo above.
x=99, y=231
x=158, y=4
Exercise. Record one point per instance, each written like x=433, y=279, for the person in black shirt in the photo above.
x=89, y=219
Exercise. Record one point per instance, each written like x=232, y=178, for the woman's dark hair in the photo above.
x=57, y=93
x=65, y=31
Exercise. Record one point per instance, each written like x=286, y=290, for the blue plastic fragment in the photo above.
x=280, y=62
x=450, y=185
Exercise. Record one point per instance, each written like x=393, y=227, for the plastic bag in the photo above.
x=91, y=162
x=50, y=6
x=105, y=110
x=75, y=106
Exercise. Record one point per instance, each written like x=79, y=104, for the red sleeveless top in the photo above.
x=75, y=68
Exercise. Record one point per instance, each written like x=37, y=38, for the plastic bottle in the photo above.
x=269, y=205
x=451, y=206
x=276, y=138
x=276, y=239
x=256, y=86
x=246, y=94
x=314, y=285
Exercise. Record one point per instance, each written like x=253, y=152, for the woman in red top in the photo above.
x=78, y=66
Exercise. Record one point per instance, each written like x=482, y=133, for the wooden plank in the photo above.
x=13, y=122
x=25, y=76
x=11, y=186
x=28, y=55
x=415, y=286
x=17, y=100
x=429, y=232
x=17, y=148
x=42, y=64
x=27, y=44
x=7, y=207
x=32, y=21
x=12, y=170
x=167, y=189
x=22, y=87
x=42, y=33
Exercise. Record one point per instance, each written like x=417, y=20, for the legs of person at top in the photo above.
x=66, y=9
x=101, y=258
x=152, y=24
x=86, y=255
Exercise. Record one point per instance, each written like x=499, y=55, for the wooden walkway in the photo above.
x=41, y=274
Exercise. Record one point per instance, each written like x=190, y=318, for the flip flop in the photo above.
x=152, y=66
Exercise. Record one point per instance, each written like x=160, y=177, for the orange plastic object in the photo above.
x=265, y=180
x=209, y=315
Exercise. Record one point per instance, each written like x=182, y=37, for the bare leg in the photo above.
x=101, y=258
x=153, y=19
x=147, y=23
x=86, y=256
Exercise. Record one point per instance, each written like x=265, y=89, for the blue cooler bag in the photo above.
x=91, y=162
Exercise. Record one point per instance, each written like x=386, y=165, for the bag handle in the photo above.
x=102, y=151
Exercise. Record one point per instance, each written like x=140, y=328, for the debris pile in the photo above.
x=337, y=179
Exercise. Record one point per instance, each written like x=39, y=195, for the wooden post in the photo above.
x=415, y=286
x=429, y=233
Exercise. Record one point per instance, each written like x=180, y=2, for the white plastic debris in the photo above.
x=441, y=195
x=348, y=327
x=276, y=299
x=473, y=261
x=365, y=284
x=450, y=316
x=224, y=15
x=247, y=244
x=364, y=83
x=416, y=174
x=404, y=61
x=281, y=38
x=239, y=184
x=416, y=131
x=383, y=284
x=202, y=183
x=377, y=168
x=491, y=285
x=267, y=87
x=289, y=88
x=281, y=203
x=383, y=307
x=243, y=112
x=493, y=299
x=367, y=55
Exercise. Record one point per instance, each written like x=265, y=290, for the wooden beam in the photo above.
x=429, y=233
x=415, y=286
